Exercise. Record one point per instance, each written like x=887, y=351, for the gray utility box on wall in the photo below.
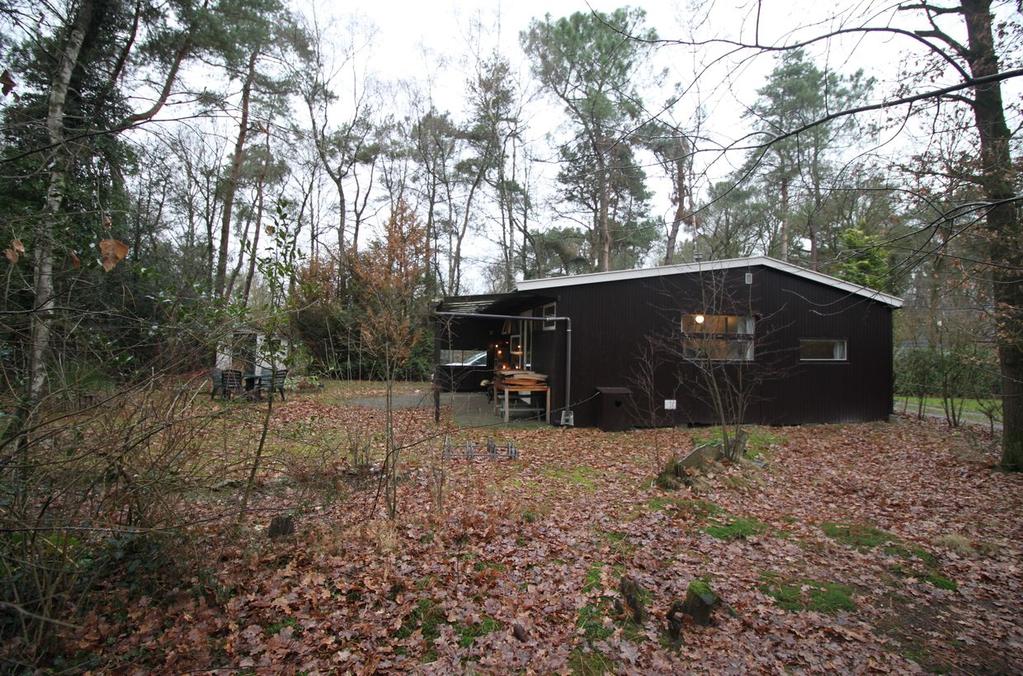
x=615, y=408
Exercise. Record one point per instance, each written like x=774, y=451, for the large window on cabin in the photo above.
x=822, y=349
x=476, y=357
x=718, y=337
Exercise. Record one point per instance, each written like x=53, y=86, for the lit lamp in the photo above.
x=698, y=319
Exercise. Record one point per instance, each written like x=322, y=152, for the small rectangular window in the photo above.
x=822, y=349
x=550, y=310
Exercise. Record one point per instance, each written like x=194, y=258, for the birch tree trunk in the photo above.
x=43, y=245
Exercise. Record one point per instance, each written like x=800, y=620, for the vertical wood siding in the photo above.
x=611, y=320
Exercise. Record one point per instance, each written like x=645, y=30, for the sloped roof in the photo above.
x=707, y=266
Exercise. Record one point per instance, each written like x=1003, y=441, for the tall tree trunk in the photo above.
x=232, y=180
x=1004, y=233
x=680, y=212
x=455, y=281
x=342, y=209
x=604, y=236
x=260, y=191
x=784, y=219
x=42, y=287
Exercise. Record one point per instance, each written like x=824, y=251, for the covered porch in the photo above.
x=499, y=345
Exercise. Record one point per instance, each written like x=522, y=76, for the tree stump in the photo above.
x=281, y=526
x=700, y=602
x=633, y=599
x=676, y=620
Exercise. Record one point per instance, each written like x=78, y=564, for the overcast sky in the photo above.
x=431, y=44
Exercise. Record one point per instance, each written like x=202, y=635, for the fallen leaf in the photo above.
x=112, y=252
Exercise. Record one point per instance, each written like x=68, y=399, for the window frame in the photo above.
x=549, y=325
x=823, y=360
x=743, y=335
x=459, y=357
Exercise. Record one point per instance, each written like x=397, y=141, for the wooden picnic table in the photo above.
x=507, y=389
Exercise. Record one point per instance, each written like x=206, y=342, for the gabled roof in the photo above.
x=706, y=266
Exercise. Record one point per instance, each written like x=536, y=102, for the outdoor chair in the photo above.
x=277, y=382
x=216, y=379
x=231, y=383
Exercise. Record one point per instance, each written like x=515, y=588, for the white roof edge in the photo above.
x=723, y=264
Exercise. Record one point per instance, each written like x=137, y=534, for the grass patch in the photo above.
x=617, y=542
x=910, y=552
x=800, y=595
x=467, y=634
x=929, y=574
x=278, y=627
x=519, y=482
x=582, y=476
x=591, y=621
x=909, y=405
x=591, y=581
x=921, y=564
x=699, y=508
x=597, y=620
x=860, y=536
x=427, y=616
x=737, y=528
x=941, y=582
x=495, y=566
x=589, y=662
x=758, y=442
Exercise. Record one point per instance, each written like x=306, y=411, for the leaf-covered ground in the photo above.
x=844, y=548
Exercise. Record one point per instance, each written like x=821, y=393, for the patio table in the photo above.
x=506, y=390
x=253, y=385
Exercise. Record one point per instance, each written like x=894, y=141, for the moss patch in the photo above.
x=758, y=442
x=941, y=582
x=582, y=476
x=495, y=566
x=278, y=627
x=803, y=594
x=736, y=528
x=919, y=564
x=702, y=589
x=860, y=536
x=910, y=552
x=427, y=616
x=617, y=542
x=589, y=662
x=591, y=621
x=467, y=634
x=697, y=508
x=591, y=581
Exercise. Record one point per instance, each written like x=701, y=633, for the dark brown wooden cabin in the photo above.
x=809, y=348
